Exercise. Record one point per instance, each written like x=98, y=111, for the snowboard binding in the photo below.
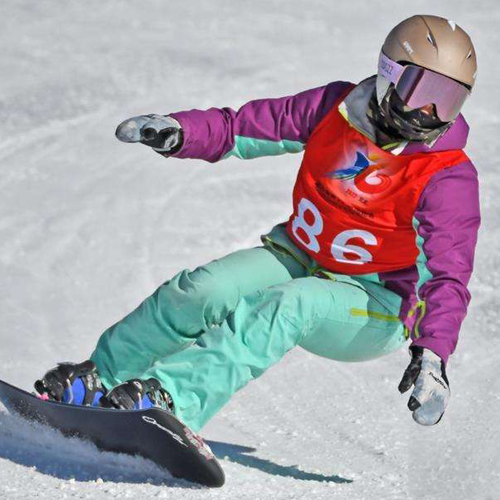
x=72, y=383
x=79, y=384
x=138, y=394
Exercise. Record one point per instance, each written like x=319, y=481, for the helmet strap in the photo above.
x=382, y=85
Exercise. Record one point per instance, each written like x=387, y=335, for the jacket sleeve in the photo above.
x=446, y=221
x=263, y=127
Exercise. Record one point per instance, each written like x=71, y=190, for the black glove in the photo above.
x=431, y=394
x=162, y=133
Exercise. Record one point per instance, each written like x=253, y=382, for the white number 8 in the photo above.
x=312, y=230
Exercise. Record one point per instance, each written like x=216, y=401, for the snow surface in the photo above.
x=90, y=226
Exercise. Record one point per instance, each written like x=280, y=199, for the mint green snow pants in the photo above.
x=206, y=333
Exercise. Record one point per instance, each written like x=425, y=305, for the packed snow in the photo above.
x=90, y=226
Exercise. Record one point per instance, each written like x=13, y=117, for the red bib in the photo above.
x=354, y=202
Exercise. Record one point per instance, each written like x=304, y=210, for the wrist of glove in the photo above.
x=431, y=391
x=162, y=133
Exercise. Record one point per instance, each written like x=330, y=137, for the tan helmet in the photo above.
x=434, y=43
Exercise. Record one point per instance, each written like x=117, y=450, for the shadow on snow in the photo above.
x=239, y=454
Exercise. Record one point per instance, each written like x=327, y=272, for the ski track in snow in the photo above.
x=89, y=227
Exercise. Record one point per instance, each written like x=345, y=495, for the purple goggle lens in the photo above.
x=418, y=86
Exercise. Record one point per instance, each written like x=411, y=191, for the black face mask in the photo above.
x=393, y=123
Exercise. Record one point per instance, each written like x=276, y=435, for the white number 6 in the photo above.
x=340, y=246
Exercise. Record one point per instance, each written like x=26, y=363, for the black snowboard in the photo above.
x=153, y=434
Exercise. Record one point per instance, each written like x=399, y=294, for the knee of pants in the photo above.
x=301, y=303
x=194, y=301
x=311, y=300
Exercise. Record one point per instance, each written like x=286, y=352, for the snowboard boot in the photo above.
x=138, y=394
x=72, y=383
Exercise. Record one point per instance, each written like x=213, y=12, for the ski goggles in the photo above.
x=418, y=86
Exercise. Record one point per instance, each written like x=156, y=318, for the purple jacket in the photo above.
x=434, y=290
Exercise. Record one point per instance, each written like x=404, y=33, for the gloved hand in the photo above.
x=162, y=133
x=431, y=394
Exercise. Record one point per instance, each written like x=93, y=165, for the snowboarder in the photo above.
x=379, y=248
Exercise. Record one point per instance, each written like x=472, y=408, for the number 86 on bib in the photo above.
x=340, y=248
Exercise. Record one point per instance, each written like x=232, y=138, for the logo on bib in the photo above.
x=360, y=165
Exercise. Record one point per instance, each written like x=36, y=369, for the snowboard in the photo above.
x=154, y=433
